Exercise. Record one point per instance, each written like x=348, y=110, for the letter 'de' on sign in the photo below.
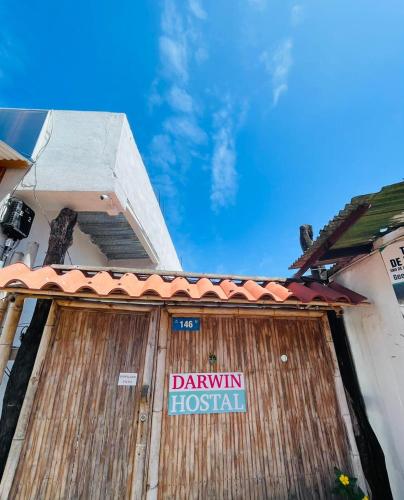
x=200, y=393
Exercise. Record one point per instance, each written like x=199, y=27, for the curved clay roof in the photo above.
x=138, y=285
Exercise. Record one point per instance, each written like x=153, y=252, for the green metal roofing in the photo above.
x=385, y=213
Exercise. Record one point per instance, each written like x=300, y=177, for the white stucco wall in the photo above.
x=85, y=154
x=76, y=152
x=376, y=336
x=136, y=194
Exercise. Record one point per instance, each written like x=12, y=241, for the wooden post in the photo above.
x=8, y=333
x=344, y=410
x=144, y=417
x=23, y=420
x=159, y=384
x=3, y=305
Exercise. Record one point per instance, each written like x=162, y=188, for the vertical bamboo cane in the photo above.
x=5, y=298
x=23, y=420
x=143, y=424
x=8, y=333
x=155, y=439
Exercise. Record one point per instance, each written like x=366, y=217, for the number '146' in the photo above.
x=187, y=323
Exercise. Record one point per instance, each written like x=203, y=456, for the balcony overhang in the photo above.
x=113, y=235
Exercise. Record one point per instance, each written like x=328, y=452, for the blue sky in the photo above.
x=252, y=116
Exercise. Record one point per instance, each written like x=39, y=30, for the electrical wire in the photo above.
x=36, y=178
x=12, y=250
x=34, y=161
x=33, y=166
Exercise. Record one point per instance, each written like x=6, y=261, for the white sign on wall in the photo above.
x=393, y=257
x=127, y=379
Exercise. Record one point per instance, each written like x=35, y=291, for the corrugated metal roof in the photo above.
x=385, y=212
x=160, y=286
x=9, y=156
x=112, y=234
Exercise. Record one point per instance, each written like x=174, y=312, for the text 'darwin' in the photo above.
x=199, y=393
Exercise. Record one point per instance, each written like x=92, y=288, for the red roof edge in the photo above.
x=137, y=285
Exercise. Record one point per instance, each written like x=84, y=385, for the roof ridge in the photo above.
x=169, y=273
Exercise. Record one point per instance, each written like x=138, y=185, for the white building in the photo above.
x=89, y=162
x=360, y=241
x=376, y=336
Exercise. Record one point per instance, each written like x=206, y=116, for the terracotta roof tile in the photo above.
x=205, y=288
x=326, y=291
x=353, y=296
x=279, y=292
x=164, y=286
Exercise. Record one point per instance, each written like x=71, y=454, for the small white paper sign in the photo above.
x=127, y=379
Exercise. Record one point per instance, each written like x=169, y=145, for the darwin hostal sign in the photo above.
x=200, y=393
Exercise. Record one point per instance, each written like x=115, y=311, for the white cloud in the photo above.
x=180, y=138
x=180, y=43
x=180, y=38
x=171, y=21
x=197, y=9
x=224, y=174
x=165, y=185
x=185, y=127
x=155, y=98
x=297, y=14
x=278, y=91
x=180, y=100
x=278, y=65
x=173, y=54
x=162, y=155
x=162, y=152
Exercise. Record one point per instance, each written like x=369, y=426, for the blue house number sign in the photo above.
x=186, y=324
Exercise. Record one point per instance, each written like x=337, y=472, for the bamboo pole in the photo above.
x=184, y=301
x=240, y=311
x=155, y=439
x=344, y=409
x=23, y=420
x=3, y=305
x=8, y=333
x=178, y=310
x=106, y=306
x=143, y=424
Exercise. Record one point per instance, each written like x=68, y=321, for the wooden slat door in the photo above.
x=286, y=445
x=82, y=431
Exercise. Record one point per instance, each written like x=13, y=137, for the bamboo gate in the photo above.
x=82, y=435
